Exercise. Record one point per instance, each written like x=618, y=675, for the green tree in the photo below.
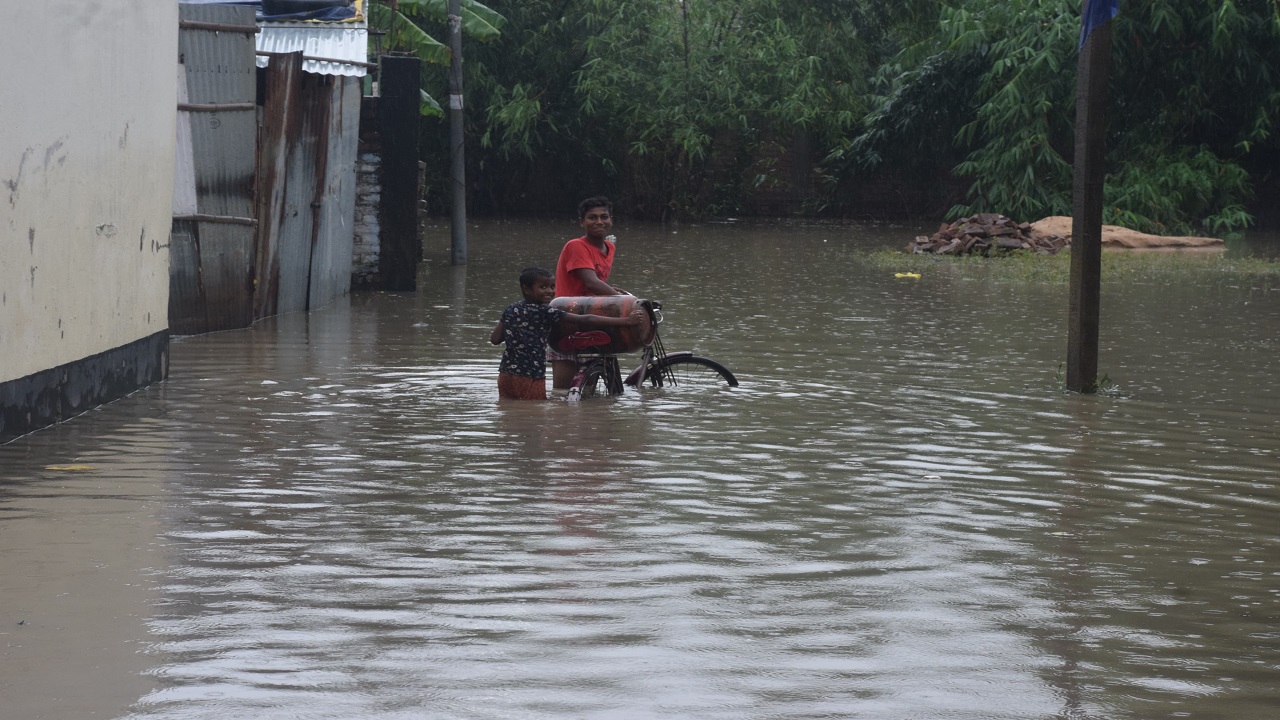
x=1196, y=100
x=1193, y=93
x=399, y=28
x=680, y=107
x=529, y=146
x=716, y=90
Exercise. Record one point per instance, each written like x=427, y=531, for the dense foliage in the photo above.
x=397, y=27
x=705, y=107
x=1193, y=92
x=683, y=108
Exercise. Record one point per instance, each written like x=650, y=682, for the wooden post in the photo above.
x=1086, y=213
x=458, y=165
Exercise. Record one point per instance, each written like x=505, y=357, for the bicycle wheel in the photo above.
x=688, y=370
x=593, y=380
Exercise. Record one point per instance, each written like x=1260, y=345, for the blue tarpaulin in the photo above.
x=1096, y=12
x=285, y=10
x=321, y=10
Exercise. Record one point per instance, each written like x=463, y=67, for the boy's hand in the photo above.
x=637, y=316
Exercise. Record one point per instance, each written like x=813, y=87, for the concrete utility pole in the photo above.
x=1087, y=184
x=458, y=167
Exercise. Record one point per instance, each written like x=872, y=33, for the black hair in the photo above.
x=594, y=202
x=531, y=275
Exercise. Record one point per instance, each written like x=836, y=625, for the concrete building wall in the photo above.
x=86, y=183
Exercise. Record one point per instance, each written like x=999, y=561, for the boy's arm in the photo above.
x=593, y=282
x=636, y=317
x=498, y=332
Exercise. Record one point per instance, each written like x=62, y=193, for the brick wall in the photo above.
x=366, y=245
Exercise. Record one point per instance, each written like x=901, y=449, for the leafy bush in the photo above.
x=1194, y=93
x=1185, y=191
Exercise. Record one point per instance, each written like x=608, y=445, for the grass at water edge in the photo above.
x=1117, y=266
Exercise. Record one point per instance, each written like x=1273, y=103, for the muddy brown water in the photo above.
x=897, y=515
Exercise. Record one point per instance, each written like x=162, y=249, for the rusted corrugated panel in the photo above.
x=306, y=188
x=331, y=259
x=334, y=41
x=295, y=135
x=220, y=72
x=280, y=112
x=226, y=267
x=209, y=283
x=186, y=302
x=307, y=136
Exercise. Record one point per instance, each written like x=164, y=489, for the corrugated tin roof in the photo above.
x=335, y=45
x=335, y=42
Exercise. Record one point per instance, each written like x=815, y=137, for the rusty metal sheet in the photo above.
x=336, y=196
x=280, y=116
x=298, y=211
x=186, y=301
x=212, y=263
x=221, y=72
x=312, y=151
x=226, y=264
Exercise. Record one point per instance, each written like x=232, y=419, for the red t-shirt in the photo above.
x=577, y=254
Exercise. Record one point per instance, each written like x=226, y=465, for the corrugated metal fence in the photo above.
x=264, y=197
x=212, y=247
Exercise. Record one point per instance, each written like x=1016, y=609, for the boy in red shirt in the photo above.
x=583, y=269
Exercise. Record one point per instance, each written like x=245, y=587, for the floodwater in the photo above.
x=898, y=515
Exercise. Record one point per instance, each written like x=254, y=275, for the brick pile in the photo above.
x=986, y=234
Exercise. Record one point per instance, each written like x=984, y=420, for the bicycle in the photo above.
x=599, y=370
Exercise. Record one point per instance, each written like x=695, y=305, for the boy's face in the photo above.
x=596, y=222
x=542, y=291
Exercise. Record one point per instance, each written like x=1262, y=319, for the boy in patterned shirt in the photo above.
x=524, y=327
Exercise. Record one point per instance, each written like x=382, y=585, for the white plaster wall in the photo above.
x=87, y=133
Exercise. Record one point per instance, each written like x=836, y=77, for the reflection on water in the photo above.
x=897, y=515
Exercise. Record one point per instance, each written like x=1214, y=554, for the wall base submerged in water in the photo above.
x=51, y=396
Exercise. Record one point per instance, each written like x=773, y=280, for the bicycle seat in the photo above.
x=582, y=340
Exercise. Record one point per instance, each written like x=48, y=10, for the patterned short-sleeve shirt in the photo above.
x=526, y=326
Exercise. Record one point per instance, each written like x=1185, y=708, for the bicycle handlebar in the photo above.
x=654, y=307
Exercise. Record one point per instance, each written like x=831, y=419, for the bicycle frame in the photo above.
x=611, y=373
x=662, y=368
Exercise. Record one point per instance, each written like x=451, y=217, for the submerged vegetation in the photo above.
x=1117, y=267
